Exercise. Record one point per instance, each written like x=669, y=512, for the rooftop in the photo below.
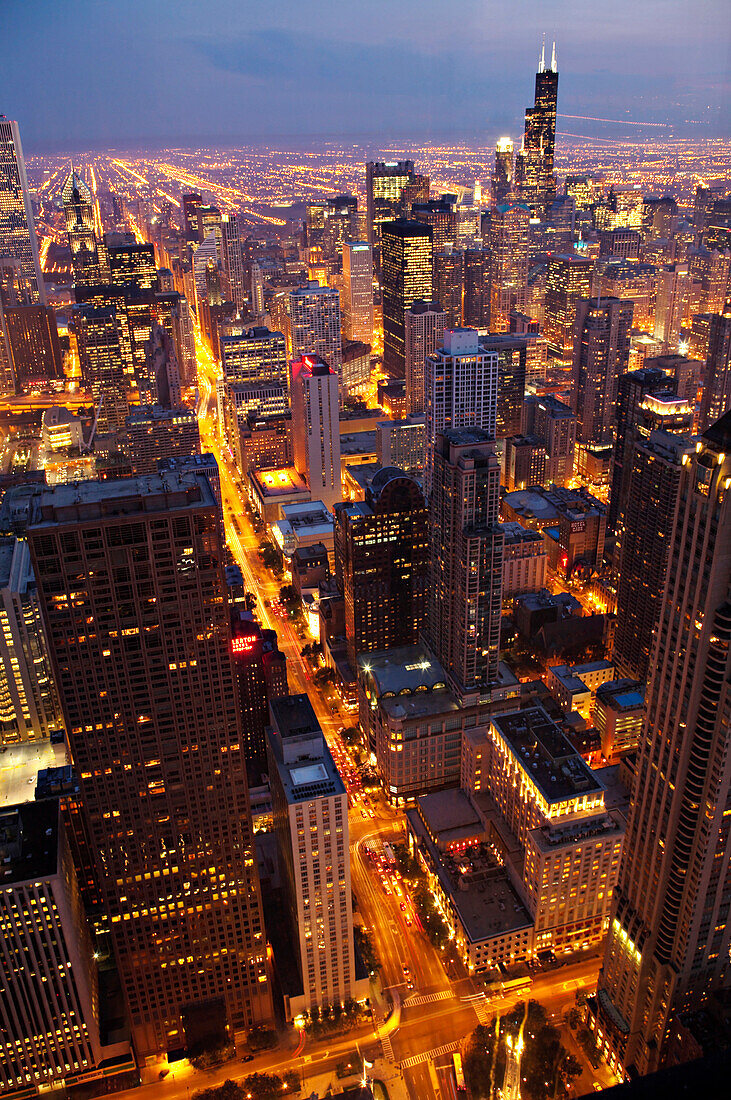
x=404, y=671
x=285, y=481
x=515, y=532
x=28, y=841
x=448, y=812
x=546, y=755
x=89, y=500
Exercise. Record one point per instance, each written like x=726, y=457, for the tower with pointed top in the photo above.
x=536, y=184
x=78, y=208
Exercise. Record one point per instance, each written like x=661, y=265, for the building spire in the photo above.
x=553, y=59
x=542, y=62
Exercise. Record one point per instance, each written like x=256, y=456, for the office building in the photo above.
x=17, y=229
x=402, y=443
x=448, y=284
x=78, y=207
x=356, y=376
x=155, y=433
x=512, y=352
x=357, y=298
x=310, y=807
x=32, y=337
x=133, y=264
x=316, y=427
x=424, y=325
x=552, y=421
x=601, y=355
x=233, y=264
x=509, y=248
x=645, y=522
x=103, y=364
x=502, y=176
x=261, y=675
x=461, y=388
x=382, y=564
x=142, y=661
x=314, y=314
x=255, y=356
x=569, y=279
x=717, y=385
x=391, y=187
x=669, y=939
x=477, y=276
x=406, y=276
x=192, y=202
x=671, y=303
x=441, y=215
x=525, y=462
x=49, y=1008
x=535, y=182
x=467, y=558
x=29, y=706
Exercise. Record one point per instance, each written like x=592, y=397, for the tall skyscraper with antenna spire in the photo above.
x=536, y=185
x=17, y=229
x=78, y=208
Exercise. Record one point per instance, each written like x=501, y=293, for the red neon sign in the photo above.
x=243, y=645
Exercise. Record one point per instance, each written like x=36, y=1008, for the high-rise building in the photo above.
x=340, y=223
x=357, y=301
x=17, y=228
x=134, y=264
x=142, y=659
x=424, y=325
x=552, y=421
x=255, y=355
x=192, y=202
x=78, y=208
x=402, y=443
x=467, y=558
x=49, y=1008
x=645, y=521
x=389, y=186
x=673, y=288
x=261, y=675
x=461, y=387
x=441, y=215
x=509, y=248
x=233, y=263
x=448, y=281
x=601, y=355
x=511, y=354
x=34, y=345
x=314, y=314
x=717, y=386
x=102, y=364
x=525, y=463
x=477, y=275
x=29, y=706
x=406, y=275
x=382, y=564
x=155, y=433
x=569, y=279
x=631, y=390
x=502, y=176
x=668, y=943
x=316, y=427
x=534, y=178
x=310, y=806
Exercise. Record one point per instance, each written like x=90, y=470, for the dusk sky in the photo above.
x=92, y=73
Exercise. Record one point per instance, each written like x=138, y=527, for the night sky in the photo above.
x=96, y=73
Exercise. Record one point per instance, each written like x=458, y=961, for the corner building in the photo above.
x=131, y=577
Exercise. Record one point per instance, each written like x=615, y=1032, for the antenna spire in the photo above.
x=542, y=62
x=553, y=59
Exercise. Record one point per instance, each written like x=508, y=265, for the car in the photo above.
x=409, y=922
x=403, y=906
x=597, y=1087
x=247, y=1058
x=406, y=971
x=409, y=984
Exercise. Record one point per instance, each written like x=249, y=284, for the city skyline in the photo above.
x=216, y=74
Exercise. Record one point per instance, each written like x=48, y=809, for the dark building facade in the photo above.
x=406, y=269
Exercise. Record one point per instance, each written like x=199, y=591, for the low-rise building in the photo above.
x=524, y=560
x=304, y=524
x=619, y=712
x=270, y=490
x=574, y=686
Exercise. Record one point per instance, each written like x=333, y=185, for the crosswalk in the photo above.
x=387, y=1047
x=430, y=1055
x=428, y=998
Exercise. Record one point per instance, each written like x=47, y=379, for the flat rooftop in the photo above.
x=279, y=483
x=546, y=755
x=529, y=502
x=90, y=500
x=448, y=812
x=574, y=829
x=28, y=841
x=293, y=715
x=407, y=669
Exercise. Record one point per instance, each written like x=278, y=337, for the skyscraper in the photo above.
x=424, y=324
x=406, y=275
x=102, y=364
x=536, y=184
x=78, y=208
x=382, y=564
x=645, y=520
x=388, y=185
x=357, y=303
x=35, y=351
x=601, y=353
x=477, y=276
x=569, y=279
x=552, y=421
x=631, y=390
x=512, y=352
x=17, y=228
x=134, y=264
x=717, y=387
x=673, y=288
x=233, y=263
x=467, y=558
x=502, y=176
x=314, y=313
x=261, y=675
x=448, y=284
x=141, y=653
x=192, y=202
x=441, y=215
x=316, y=427
x=668, y=944
x=155, y=433
x=509, y=246
x=460, y=387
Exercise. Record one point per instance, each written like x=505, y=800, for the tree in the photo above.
x=261, y=1038
x=478, y=1060
x=269, y=556
x=323, y=676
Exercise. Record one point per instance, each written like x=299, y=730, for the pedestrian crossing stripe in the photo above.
x=428, y=998
x=430, y=1055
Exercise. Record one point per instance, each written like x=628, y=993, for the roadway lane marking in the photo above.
x=430, y=1055
x=428, y=998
